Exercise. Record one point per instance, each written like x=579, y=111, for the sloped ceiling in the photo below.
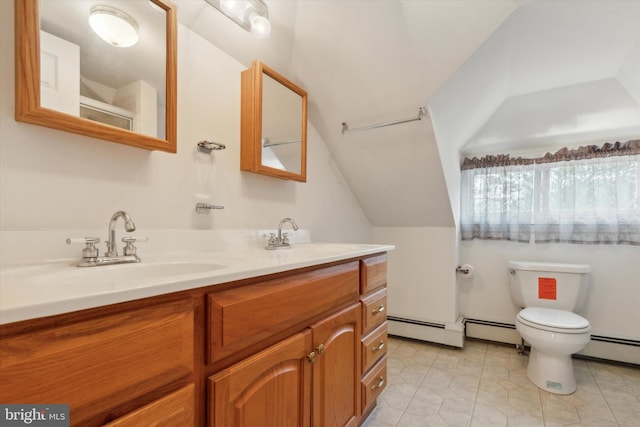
x=559, y=73
x=472, y=63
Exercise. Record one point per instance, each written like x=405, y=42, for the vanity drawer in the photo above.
x=101, y=365
x=374, y=346
x=373, y=273
x=175, y=409
x=372, y=385
x=374, y=310
x=252, y=315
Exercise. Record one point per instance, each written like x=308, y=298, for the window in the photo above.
x=588, y=195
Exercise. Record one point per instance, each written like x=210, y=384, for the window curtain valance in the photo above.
x=628, y=148
x=585, y=195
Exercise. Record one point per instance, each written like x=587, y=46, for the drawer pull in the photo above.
x=380, y=309
x=378, y=347
x=311, y=357
x=320, y=349
x=379, y=385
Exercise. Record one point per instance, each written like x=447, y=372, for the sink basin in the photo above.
x=59, y=279
x=113, y=274
x=30, y=286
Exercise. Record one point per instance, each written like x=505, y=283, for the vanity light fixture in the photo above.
x=252, y=15
x=113, y=26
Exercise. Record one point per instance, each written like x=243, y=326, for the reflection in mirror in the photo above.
x=120, y=86
x=274, y=131
x=69, y=78
x=281, y=126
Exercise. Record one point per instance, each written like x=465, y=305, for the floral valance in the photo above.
x=629, y=148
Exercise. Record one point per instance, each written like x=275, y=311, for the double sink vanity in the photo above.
x=240, y=336
x=186, y=334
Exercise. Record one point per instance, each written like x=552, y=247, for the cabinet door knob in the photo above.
x=379, y=385
x=378, y=347
x=311, y=357
x=320, y=349
x=380, y=309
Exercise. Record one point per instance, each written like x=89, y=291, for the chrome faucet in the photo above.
x=90, y=255
x=112, y=251
x=281, y=241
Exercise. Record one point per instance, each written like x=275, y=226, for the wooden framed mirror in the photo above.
x=134, y=103
x=274, y=125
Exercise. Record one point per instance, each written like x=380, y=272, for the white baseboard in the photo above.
x=492, y=331
x=604, y=348
x=448, y=334
x=601, y=347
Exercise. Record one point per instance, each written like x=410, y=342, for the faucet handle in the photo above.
x=272, y=239
x=129, y=247
x=90, y=250
x=285, y=238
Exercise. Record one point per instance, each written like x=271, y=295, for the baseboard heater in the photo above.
x=601, y=347
x=441, y=333
x=416, y=322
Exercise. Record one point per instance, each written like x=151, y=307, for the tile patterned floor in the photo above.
x=486, y=384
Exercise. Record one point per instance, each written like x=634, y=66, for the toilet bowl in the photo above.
x=550, y=293
x=554, y=335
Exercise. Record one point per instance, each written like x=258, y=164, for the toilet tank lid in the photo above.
x=549, y=266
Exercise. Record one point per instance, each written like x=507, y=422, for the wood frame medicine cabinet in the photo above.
x=29, y=106
x=274, y=125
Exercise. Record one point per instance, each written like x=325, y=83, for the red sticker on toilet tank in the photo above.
x=546, y=288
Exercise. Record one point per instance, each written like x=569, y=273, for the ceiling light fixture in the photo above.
x=113, y=26
x=252, y=15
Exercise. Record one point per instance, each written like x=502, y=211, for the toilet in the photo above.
x=550, y=293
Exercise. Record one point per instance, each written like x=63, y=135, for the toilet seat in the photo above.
x=552, y=320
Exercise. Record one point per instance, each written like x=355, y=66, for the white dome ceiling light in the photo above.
x=113, y=26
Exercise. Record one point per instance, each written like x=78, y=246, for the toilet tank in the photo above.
x=552, y=285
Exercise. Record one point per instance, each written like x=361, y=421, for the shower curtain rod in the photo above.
x=421, y=113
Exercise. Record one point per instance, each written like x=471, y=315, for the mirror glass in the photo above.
x=86, y=85
x=274, y=125
x=120, y=86
x=281, y=126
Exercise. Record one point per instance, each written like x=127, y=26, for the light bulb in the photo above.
x=260, y=26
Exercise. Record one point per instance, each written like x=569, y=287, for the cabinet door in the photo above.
x=336, y=369
x=269, y=389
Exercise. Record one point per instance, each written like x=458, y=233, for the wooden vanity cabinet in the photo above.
x=310, y=377
x=104, y=366
x=288, y=349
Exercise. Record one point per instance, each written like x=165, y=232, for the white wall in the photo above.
x=55, y=180
x=612, y=307
x=421, y=272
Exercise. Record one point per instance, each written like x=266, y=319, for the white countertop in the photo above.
x=31, y=290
